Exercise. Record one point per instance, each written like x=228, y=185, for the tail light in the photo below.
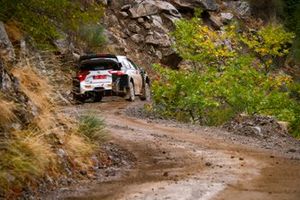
x=82, y=75
x=116, y=72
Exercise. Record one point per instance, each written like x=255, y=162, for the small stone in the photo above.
x=83, y=172
x=141, y=20
x=124, y=14
x=137, y=38
x=159, y=54
x=208, y=164
x=226, y=17
x=166, y=174
x=125, y=7
x=134, y=28
x=147, y=25
x=241, y=158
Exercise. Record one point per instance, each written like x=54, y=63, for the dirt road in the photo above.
x=174, y=162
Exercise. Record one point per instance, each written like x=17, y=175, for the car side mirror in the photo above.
x=142, y=70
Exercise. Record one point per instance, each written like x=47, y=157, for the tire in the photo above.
x=97, y=97
x=78, y=99
x=146, y=96
x=130, y=93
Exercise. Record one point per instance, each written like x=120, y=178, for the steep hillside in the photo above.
x=41, y=147
x=141, y=29
x=234, y=59
x=230, y=62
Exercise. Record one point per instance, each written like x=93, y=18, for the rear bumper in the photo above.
x=118, y=87
x=81, y=89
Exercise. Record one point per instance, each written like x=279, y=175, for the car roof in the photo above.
x=95, y=56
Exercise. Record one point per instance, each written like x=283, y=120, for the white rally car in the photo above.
x=109, y=75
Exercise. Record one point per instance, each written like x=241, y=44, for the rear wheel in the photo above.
x=97, y=97
x=146, y=96
x=78, y=99
x=130, y=92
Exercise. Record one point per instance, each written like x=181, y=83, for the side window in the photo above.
x=134, y=66
x=125, y=64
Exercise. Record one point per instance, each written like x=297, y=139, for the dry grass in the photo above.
x=34, y=86
x=79, y=150
x=23, y=158
x=40, y=94
x=28, y=155
x=13, y=31
x=7, y=112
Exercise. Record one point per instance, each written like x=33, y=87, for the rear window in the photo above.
x=99, y=65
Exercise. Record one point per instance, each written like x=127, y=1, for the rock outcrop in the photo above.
x=140, y=28
x=6, y=47
x=209, y=5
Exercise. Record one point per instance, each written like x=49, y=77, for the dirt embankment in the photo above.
x=175, y=161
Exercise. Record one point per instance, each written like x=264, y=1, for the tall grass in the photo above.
x=7, y=112
x=24, y=157
x=92, y=127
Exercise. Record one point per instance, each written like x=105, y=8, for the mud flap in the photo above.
x=120, y=84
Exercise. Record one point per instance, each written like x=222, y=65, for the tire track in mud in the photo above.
x=178, y=163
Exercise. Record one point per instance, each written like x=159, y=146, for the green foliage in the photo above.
x=92, y=35
x=213, y=97
x=92, y=127
x=196, y=42
x=43, y=19
x=229, y=82
x=269, y=43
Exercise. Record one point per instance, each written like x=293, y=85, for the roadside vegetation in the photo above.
x=38, y=143
x=51, y=144
x=45, y=21
x=230, y=72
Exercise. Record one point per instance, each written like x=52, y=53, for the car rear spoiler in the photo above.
x=91, y=56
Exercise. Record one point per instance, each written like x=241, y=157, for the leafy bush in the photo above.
x=92, y=127
x=213, y=97
x=229, y=82
x=43, y=20
x=196, y=42
x=269, y=43
x=92, y=34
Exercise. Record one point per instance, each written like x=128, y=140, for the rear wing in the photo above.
x=92, y=56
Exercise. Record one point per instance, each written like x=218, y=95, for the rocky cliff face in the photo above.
x=140, y=28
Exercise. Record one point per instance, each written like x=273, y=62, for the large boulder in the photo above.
x=137, y=38
x=118, y=3
x=152, y=7
x=6, y=47
x=158, y=39
x=241, y=8
x=208, y=5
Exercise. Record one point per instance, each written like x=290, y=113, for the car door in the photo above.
x=136, y=75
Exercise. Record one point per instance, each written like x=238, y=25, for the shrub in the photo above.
x=92, y=35
x=197, y=42
x=43, y=20
x=212, y=97
x=92, y=127
x=269, y=43
x=229, y=83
